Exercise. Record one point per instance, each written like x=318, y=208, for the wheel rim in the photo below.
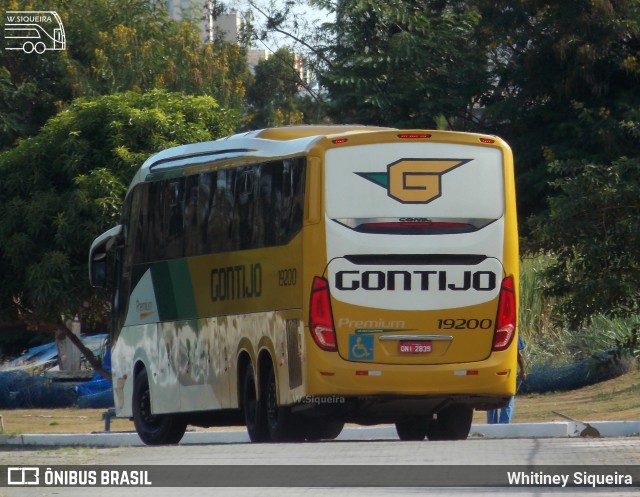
x=271, y=401
x=149, y=421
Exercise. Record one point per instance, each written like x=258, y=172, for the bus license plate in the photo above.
x=407, y=347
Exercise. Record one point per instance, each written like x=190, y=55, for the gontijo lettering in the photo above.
x=413, y=280
x=236, y=282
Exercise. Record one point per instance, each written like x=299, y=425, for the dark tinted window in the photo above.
x=249, y=207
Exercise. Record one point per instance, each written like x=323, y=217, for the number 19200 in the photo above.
x=287, y=277
x=464, y=324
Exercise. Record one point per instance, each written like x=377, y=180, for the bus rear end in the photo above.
x=414, y=315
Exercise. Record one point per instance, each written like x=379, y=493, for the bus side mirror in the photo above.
x=98, y=272
x=98, y=256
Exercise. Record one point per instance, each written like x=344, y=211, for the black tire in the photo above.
x=254, y=412
x=412, y=429
x=153, y=429
x=453, y=423
x=283, y=425
x=322, y=430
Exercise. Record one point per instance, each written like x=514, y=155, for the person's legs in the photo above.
x=492, y=416
x=506, y=413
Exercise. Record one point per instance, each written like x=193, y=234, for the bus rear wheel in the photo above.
x=323, y=430
x=283, y=425
x=412, y=429
x=453, y=423
x=254, y=412
x=153, y=429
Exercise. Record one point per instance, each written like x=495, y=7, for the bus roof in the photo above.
x=263, y=144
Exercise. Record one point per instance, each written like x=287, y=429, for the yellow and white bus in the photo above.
x=294, y=279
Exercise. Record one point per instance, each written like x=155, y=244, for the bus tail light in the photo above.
x=506, y=318
x=414, y=136
x=415, y=228
x=320, y=315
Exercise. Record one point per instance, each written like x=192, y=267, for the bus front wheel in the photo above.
x=153, y=429
x=254, y=411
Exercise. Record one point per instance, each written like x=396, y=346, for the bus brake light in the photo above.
x=506, y=318
x=321, y=316
x=414, y=136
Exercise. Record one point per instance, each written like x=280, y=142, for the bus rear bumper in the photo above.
x=382, y=391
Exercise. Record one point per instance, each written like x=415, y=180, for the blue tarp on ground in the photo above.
x=20, y=389
x=98, y=392
x=599, y=367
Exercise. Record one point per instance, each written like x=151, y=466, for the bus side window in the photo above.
x=155, y=244
x=206, y=186
x=174, y=228
x=220, y=216
x=191, y=217
x=138, y=231
x=244, y=225
x=268, y=206
x=298, y=181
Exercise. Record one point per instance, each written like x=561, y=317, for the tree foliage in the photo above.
x=403, y=63
x=552, y=63
x=272, y=97
x=113, y=46
x=64, y=186
x=593, y=232
x=558, y=80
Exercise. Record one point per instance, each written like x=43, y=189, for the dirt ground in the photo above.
x=613, y=400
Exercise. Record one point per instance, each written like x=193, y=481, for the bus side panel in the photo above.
x=196, y=357
x=193, y=366
x=135, y=344
x=511, y=258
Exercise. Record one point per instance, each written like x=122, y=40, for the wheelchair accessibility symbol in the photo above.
x=361, y=347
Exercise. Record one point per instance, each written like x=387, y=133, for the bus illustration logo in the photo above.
x=34, y=31
x=414, y=181
x=22, y=475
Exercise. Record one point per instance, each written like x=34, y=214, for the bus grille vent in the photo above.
x=293, y=354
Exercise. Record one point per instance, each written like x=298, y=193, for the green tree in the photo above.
x=404, y=63
x=593, y=232
x=272, y=97
x=113, y=46
x=550, y=63
x=568, y=74
x=65, y=185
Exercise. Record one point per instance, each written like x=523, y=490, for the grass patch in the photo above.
x=549, y=342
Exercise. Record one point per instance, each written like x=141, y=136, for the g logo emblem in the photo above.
x=418, y=181
x=414, y=181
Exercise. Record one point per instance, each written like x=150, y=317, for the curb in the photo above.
x=569, y=429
